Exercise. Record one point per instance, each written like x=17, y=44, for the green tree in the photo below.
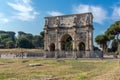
x=110, y=37
x=37, y=41
x=42, y=39
x=10, y=44
x=23, y=42
x=114, y=45
x=12, y=35
x=1, y=32
x=114, y=30
x=5, y=38
x=29, y=36
x=20, y=33
x=95, y=48
x=102, y=41
x=42, y=34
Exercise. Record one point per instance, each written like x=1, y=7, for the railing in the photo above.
x=74, y=54
x=55, y=54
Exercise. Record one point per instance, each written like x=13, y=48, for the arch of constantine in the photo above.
x=69, y=33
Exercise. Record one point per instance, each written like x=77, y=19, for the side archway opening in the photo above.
x=52, y=47
x=81, y=46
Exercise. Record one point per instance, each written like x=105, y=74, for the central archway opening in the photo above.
x=66, y=43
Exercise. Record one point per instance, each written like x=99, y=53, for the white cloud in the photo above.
x=26, y=1
x=3, y=19
x=116, y=13
x=98, y=12
x=55, y=13
x=25, y=10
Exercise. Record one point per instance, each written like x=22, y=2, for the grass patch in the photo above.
x=83, y=76
x=17, y=69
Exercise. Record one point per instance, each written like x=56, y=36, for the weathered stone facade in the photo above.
x=77, y=26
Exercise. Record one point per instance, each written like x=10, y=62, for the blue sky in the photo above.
x=28, y=15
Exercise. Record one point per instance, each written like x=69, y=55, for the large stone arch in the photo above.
x=77, y=26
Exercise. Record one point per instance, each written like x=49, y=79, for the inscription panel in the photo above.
x=67, y=21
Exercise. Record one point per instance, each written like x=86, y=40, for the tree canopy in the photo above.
x=23, y=40
x=110, y=35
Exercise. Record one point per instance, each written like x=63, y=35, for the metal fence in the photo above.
x=55, y=54
x=74, y=54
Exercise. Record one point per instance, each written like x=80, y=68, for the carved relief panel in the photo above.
x=52, y=36
x=81, y=36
